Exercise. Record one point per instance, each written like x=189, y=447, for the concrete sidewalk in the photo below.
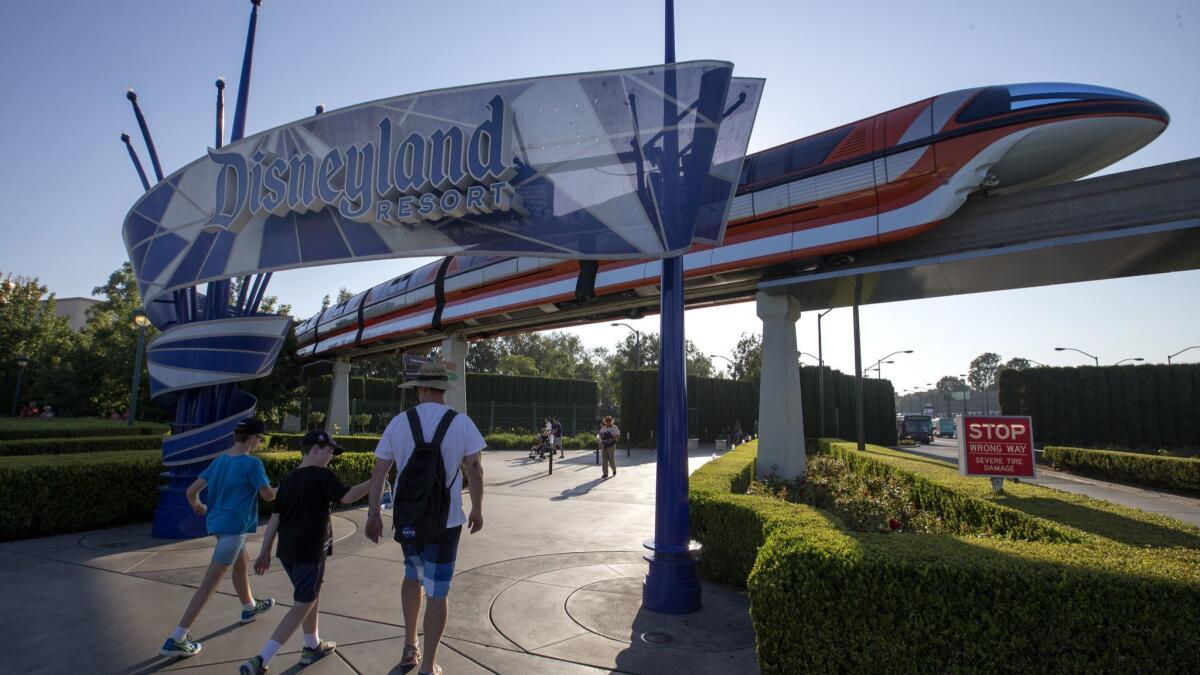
x=1179, y=507
x=552, y=584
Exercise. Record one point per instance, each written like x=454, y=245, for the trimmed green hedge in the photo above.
x=824, y=599
x=1172, y=473
x=496, y=441
x=15, y=429
x=42, y=495
x=1133, y=407
x=715, y=404
x=67, y=445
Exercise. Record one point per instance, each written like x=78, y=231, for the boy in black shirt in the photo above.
x=301, y=519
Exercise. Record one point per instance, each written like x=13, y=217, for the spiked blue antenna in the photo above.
x=141, y=120
x=239, y=113
x=137, y=163
x=220, y=111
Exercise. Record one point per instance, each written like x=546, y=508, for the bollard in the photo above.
x=998, y=485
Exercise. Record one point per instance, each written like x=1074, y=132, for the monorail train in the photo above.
x=798, y=206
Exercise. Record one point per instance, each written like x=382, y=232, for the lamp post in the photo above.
x=1136, y=358
x=1036, y=363
x=637, y=345
x=1063, y=349
x=731, y=363
x=139, y=321
x=22, y=361
x=815, y=358
x=879, y=367
x=1180, y=352
x=876, y=366
x=821, y=374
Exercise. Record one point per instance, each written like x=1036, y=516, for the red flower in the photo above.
x=893, y=523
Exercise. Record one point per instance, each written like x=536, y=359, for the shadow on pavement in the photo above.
x=578, y=490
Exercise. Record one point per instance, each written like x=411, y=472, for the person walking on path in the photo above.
x=301, y=518
x=609, y=435
x=556, y=429
x=234, y=480
x=428, y=521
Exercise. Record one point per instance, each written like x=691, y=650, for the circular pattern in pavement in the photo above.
x=613, y=608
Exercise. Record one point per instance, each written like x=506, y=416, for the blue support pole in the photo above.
x=672, y=585
x=137, y=163
x=243, y=97
x=141, y=120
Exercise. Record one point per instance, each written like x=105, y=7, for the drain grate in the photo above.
x=657, y=638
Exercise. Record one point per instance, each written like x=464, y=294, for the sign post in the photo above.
x=998, y=447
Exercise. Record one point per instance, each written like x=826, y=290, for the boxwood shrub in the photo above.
x=19, y=429
x=495, y=441
x=53, y=494
x=1171, y=473
x=67, y=445
x=825, y=599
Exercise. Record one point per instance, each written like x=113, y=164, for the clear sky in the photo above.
x=68, y=181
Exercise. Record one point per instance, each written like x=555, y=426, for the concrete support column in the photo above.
x=454, y=353
x=780, y=414
x=338, y=416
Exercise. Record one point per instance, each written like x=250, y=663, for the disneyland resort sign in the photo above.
x=424, y=177
x=569, y=166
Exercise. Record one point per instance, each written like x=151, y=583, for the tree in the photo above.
x=517, y=364
x=982, y=373
x=343, y=295
x=109, y=346
x=747, y=357
x=1017, y=363
x=30, y=327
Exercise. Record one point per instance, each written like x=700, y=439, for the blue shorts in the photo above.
x=306, y=579
x=433, y=563
x=229, y=546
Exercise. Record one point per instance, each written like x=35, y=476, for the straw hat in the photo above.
x=432, y=375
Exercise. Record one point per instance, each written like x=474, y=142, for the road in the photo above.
x=1182, y=508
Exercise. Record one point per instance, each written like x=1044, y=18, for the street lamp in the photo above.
x=821, y=373
x=1180, y=352
x=140, y=320
x=22, y=361
x=1131, y=359
x=876, y=366
x=1041, y=365
x=814, y=358
x=1063, y=349
x=637, y=345
x=731, y=363
x=879, y=367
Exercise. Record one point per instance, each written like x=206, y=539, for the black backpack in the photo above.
x=422, y=495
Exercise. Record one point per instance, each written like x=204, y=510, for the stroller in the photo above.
x=541, y=448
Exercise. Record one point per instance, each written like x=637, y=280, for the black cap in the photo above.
x=320, y=437
x=250, y=426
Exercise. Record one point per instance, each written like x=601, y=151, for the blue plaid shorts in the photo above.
x=433, y=563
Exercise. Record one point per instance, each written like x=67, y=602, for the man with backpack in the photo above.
x=431, y=444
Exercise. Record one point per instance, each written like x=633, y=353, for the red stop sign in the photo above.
x=996, y=446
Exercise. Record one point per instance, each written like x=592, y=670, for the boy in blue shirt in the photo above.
x=234, y=481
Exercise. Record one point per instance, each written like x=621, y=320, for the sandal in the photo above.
x=437, y=670
x=411, y=657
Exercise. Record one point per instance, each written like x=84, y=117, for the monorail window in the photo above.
x=995, y=101
x=799, y=156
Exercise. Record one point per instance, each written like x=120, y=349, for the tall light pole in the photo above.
x=140, y=320
x=821, y=374
x=637, y=345
x=876, y=366
x=1041, y=365
x=879, y=367
x=732, y=374
x=815, y=358
x=1180, y=352
x=1137, y=358
x=1063, y=349
x=22, y=361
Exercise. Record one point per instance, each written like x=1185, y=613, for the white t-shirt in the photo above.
x=462, y=439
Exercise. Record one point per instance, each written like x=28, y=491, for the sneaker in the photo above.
x=180, y=648
x=310, y=654
x=260, y=606
x=253, y=666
